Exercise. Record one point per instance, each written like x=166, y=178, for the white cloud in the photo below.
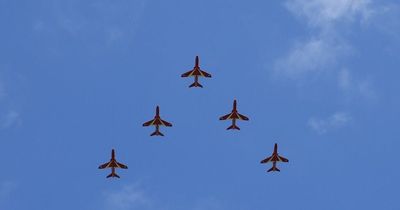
x=326, y=46
x=313, y=56
x=325, y=51
x=127, y=198
x=337, y=120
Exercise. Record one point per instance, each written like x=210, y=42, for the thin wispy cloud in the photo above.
x=311, y=57
x=132, y=196
x=335, y=121
x=349, y=84
x=10, y=119
x=119, y=28
x=386, y=21
x=9, y=116
x=128, y=197
x=324, y=13
x=6, y=188
x=114, y=22
x=3, y=93
x=208, y=204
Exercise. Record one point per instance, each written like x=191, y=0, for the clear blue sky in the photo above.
x=320, y=78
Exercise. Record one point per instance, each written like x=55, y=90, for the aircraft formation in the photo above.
x=157, y=121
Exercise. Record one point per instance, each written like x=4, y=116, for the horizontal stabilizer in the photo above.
x=234, y=127
x=113, y=175
x=196, y=84
x=156, y=133
x=273, y=169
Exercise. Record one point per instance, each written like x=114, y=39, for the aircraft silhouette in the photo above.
x=113, y=164
x=157, y=121
x=274, y=158
x=234, y=115
x=196, y=72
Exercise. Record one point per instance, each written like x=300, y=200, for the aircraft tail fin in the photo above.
x=234, y=127
x=113, y=175
x=274, y=168
x=157, y=133
x=196, y=84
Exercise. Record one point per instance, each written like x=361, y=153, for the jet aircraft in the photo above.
x=157, y=121
x=113, y=164
x=234, y=115
x=196, y=72
x=274, y=158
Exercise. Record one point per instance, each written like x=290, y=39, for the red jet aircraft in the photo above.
x=274, y=158
x=113, y=164
x=234, y=115
x=157, y=121
x=196, y=72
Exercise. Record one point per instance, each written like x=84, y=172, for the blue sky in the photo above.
x=320, y=78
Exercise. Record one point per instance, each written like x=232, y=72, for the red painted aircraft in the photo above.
x=113, y=164
x=274, y=158
x=234, y=115
x=157, y=121
x=196, y=72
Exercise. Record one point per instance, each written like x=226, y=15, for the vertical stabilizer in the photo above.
x=197, y=62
